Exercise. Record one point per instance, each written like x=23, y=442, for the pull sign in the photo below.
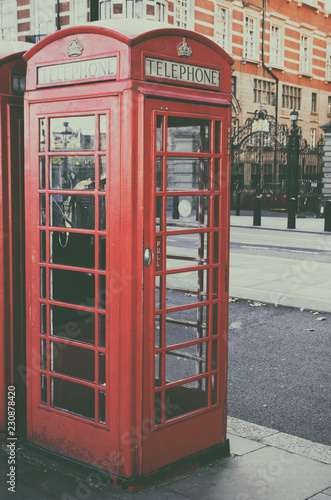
x=147, y=257
x=158, y=258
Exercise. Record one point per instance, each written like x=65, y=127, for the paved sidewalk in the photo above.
x=264, y=464
x=288, y=282
x=307, y=224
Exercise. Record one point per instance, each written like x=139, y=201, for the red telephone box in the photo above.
x=12, y=339
x=127, y=209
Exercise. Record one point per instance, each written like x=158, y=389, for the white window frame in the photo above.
x=78, y=12
x=305, y=54
x=222, y=30
x=252, y=37
x=8, y=20
x=41, y=17
x=306, y=49
x=183, y=13
x=161, y=11
x=312, y=140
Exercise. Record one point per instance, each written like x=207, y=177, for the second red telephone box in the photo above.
x=12, y=329
x=127, y=188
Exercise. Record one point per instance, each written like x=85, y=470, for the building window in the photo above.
x=329, y=105
x=291, y=97
x=116, y=9
x=313, y=137
x=234, y=85
x=276, y=34
x=251, y=38
x=264, y=92
x=328, y=62
x=8, y=20
x=222, y=27
x=78, y=12
x=161, y=12
x=181, y=9
x=305, y=51
x=314, y=102
x=43, y=14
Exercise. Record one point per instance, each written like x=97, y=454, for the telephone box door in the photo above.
x=185, y=284
x=71, y=246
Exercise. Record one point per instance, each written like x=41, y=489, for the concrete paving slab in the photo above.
x=268, y=473
x=300, y=446
x=249, y=430
x=241, y=446
x=327, y=492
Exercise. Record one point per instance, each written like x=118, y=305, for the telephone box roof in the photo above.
x=10, y=49
x=130, y=32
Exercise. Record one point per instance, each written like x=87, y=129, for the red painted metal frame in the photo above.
x=128, y=448
x=12, y=338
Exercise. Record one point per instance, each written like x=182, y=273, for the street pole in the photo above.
x=293, y=163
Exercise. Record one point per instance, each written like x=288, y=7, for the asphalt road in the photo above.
x=279, y=369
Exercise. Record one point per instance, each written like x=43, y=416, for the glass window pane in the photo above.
x=72, y=172
x=102, y=292
x=159, y=169
x=159, y=133
x=158, y=370
x=43, y=389
x=181, y=399
x=76, y=211
x=43, y=282
x=72, y=324
x=72, y=361
x=186, y=362
x=73, y=133
x=42, y=209
x=102, y=368
x=103, y=173
x=43, y=319
x=158, y=222
x=102, y=132
x=102, y=330
x=187, y=250
x=43, y=354
x=42, y=135
x=102, y=212
x=102, y=252
x=218, y=137
x=42, y=246
x=186, y=288
x=158, y=332
x=158, y=292
x=187, y=174
x=72, y=249
x=189, y=135
x=42, y=172
x=187, y=212
x=72, y=287
x=72, y=397
x=186, y=326
x=102, y=407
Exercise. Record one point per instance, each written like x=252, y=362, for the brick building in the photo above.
x=281, y=48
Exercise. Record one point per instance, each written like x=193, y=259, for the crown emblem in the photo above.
x=184, y=49
x=75, y=48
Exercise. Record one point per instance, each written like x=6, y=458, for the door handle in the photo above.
x=147, y=256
